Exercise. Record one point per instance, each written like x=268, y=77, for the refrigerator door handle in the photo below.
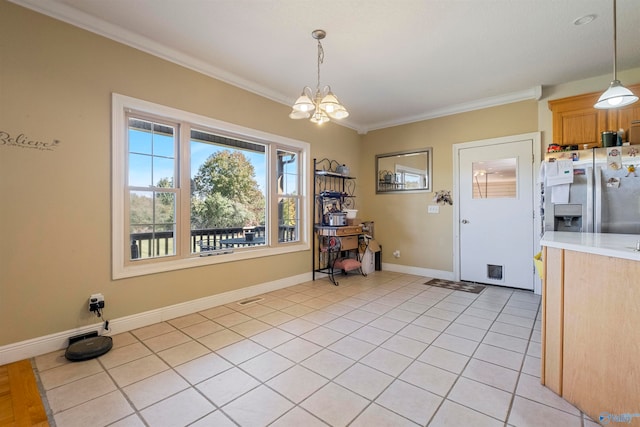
x=597, y=201
x=588, y=227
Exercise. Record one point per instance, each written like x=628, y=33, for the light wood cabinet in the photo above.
x=591, y=338
x=576, y=122
x=551, y=372
x=622, y=118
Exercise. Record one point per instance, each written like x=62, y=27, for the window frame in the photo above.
x=122, y=266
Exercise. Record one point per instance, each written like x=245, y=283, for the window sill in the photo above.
x=140, y=269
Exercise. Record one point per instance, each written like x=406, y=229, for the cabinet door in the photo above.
x=576, y=122
x=581, y=127
x=601, y=340
x=621, y=118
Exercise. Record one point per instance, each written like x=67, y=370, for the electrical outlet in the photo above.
x=396, y=253
x=433, y=209
x=96, y=302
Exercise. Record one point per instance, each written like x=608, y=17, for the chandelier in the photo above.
x=617, y=95
x=323, y=105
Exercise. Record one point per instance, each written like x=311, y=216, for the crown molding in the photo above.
x=508, y=98
x=87, y=22
x=64, y=13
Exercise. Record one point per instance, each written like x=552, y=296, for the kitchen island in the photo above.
x=591, y=322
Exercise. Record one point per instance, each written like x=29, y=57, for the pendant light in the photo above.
x=617, y=95
x=323, y=105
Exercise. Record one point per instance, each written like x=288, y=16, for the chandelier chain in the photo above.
x=320, y=61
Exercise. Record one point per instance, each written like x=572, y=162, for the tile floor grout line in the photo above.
x=372, y=401
x=379, y=346
x=392, y=293
x=520, y=372
x=459, y=375
x=414, y=360
x=430, y=344
x=43, y=394
x=513, y=395
x=395, y=378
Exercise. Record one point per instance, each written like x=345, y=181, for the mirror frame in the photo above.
x=428, y=151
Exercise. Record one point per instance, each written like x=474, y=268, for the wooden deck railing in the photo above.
x=147, y=245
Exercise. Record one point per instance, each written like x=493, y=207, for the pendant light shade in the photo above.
x=324, y=105
x=303, y=104
x=617, y=95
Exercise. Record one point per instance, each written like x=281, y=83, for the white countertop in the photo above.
x=606, y=244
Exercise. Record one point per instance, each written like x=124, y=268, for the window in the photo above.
x=190, y=190
x=495, y=179
x=152, y=195
x=289, y=197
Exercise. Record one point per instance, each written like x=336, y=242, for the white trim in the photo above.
x=58, y=341
x=533, y=93
x=121, y=103
x=418, y=271
x=536, y=138
x=90, y=23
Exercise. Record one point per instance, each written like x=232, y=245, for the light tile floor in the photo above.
x=385, y=350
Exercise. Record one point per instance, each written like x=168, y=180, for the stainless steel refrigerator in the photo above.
x=604, y=196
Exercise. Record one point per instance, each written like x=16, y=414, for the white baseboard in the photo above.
x=426, y=272
x=58, y=341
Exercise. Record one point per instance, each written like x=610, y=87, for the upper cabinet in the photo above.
x=576, y=122
x=622, y=117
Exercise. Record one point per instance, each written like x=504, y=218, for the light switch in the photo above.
x=432, y=209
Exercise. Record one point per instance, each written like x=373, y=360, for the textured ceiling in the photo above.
x=389, y=61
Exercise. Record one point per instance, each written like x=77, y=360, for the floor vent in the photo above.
x=494, y=272
x=250, y=301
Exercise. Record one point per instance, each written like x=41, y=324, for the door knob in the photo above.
x=464, y=221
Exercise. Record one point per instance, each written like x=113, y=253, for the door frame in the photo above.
x=537, y=230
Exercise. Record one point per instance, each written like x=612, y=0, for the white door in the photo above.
x=496, y=214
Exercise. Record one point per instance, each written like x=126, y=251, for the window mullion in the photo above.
x=184, y=195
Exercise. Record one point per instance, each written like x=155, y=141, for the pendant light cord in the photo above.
x=615, y=43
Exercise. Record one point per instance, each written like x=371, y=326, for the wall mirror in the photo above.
x=404, y=171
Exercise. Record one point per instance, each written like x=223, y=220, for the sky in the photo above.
x=145, y=170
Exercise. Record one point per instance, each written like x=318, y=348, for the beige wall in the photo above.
x=425, y=241
x=55, y=220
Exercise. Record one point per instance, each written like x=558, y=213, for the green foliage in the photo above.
x=225, y=193
x=140, y=212
x=218, y=211
x=165, y=198
x=287, y=208
x=142, y=215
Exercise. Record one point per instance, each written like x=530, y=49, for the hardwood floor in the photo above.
x=20, y=402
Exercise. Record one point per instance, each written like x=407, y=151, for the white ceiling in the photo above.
x=389, y=61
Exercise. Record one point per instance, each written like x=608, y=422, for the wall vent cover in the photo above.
x=250, y=301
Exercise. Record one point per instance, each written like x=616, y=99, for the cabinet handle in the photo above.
x=464, y=221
